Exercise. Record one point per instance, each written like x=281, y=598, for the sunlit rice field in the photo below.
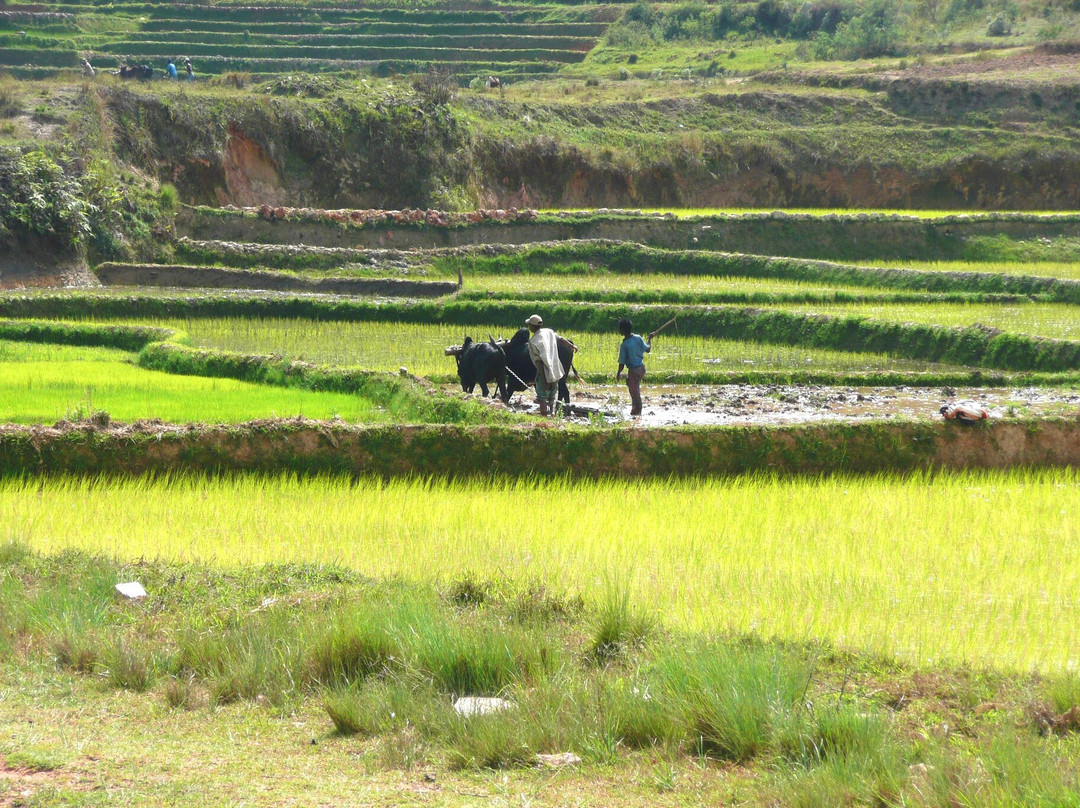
x=45, y=383
x=553, y=284
x=970, y=567
x=388, y=346
x=1046, y=269
x=1053, y=320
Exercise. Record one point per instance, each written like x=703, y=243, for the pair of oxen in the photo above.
x=510, y=367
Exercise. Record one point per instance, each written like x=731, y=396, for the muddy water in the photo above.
x=675, y=405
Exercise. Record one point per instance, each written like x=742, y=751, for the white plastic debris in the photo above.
x=132, y=590
x=480, y=705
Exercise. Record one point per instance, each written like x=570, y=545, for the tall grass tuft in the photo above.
x=130, y=666
x=355, y=647
x=383, y=706
x=1063, y=693
x=77, y=648
x=618, y=625
x=733, y=701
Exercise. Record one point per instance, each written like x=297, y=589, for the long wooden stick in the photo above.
x=661, y=328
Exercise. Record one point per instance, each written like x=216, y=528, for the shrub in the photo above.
x=436, y=87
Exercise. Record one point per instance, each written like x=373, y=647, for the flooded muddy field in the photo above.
x=676, y=405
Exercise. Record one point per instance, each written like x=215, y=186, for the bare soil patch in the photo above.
x=744, y=404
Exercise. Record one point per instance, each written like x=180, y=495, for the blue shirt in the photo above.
x=632, y=351
x=172, y=70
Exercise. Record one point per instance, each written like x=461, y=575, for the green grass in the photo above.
x=388, y=346
x=46, y=383
x=982, y=568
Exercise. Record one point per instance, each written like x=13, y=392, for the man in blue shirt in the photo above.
x=170, y=68
x=632, y=356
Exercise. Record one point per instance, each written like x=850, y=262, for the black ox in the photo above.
x=509, y=365
x=479, y=363
x=140, y=72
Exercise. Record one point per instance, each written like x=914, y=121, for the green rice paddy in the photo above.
x=1069, y=270
x=47, y=383
x=976, y=567
x=1052, y=320
x=554, y=285
x=388, y=346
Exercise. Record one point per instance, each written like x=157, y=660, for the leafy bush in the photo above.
x=39, y=198
x=874, y=31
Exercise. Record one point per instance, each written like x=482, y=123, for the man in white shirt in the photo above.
x=544, y=352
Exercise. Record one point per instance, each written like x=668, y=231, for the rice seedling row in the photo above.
x=979, y=568
x=1051, y=320
x=388, y=346
x=1069, y=270
x=47, y=383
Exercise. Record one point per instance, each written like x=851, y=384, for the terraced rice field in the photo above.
x=388, y=346
x=976, y=568
x=46, y=383
x=1052, y=320
x=515, y=41
x=1069, y=270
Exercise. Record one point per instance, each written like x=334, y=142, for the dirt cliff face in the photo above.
x=26, y=268
x=749, y=149
x=1051, y=182
x=251, y=177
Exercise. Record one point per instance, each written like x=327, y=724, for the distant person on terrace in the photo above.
x=190, y=70
x=170, y=68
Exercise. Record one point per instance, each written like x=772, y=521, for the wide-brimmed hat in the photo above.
x=535, y=319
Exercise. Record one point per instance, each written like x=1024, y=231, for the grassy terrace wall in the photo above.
x=171, y=275
x=312, y=448
x=860, y=236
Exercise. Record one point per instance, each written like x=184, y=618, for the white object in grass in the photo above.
x=132, y=590
x=480, y=705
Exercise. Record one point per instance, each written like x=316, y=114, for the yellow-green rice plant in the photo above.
x=388, y=346
x=1045, y=269
x=1054, y=320
x=978, y=567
